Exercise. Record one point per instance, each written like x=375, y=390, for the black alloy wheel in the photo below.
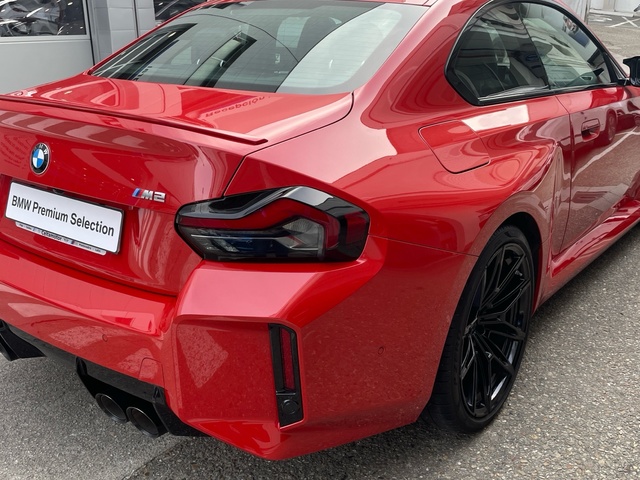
x=487, y=337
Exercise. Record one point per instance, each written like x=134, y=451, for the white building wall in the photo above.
x=32, y=61
x=621, y=6
x=580, y=7
x=147, y=16
x=28, y=61
x=625, y=6
x=115, y=23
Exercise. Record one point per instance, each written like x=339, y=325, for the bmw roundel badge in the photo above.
x=40, y=158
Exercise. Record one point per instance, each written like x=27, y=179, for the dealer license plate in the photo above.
x=81, y=224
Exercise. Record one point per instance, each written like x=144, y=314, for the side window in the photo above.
x=495, y=58
x=569, y=56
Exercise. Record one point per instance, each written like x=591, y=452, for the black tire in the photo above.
x=487, y=337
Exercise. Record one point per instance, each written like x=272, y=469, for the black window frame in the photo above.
x=616, y=73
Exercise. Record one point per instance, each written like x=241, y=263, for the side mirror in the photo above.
x=634, y=70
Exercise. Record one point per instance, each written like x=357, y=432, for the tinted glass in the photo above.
x=569, y=56
x=496, y=58
x=284, y=46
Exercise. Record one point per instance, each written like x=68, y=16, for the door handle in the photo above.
x=591, y=129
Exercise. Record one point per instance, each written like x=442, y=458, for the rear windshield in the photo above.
x=290, y=46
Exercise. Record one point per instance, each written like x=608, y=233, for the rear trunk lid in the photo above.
x=122, y=158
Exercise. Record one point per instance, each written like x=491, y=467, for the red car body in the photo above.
x=436, y=176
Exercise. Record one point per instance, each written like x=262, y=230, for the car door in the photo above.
x=603, y=164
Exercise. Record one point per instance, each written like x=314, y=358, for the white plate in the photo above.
x=82, y=224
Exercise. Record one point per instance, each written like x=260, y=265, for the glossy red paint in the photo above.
x=466, y=153
x=117, y=153
x=370, y=331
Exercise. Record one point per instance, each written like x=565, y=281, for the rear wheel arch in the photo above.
x=533, y=224
x=444, y=408
x=487, y=336
x=529, y=227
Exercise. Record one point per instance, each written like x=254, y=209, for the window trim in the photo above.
x=615, y=71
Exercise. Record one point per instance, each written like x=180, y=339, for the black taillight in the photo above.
x=294, y=223
x=286, y=374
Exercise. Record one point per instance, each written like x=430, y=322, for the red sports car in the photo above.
x=290, y=224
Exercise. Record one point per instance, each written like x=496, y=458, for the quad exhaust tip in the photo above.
x=146, y=422
x=113, y=410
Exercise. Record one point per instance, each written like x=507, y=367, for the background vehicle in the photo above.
x=28, y=17
x=41, y=17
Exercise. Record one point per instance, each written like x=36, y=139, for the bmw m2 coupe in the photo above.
x=291, y=224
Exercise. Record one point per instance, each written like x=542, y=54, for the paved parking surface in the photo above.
x=573, y=414
x=614, y=20
x=620, y=33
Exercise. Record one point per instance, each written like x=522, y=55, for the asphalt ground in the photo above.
x=573, y=413
x=621, y=33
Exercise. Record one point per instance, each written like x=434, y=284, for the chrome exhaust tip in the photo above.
x=109, y=406
x=147, y=423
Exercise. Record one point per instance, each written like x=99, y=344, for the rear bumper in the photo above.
x=16, y=344
x=369, y=337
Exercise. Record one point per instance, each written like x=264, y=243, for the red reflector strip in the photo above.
x=286, y=374
x=288, y=378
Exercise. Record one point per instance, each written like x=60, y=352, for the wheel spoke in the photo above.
x=468, y=360
x=474, y=388
x=470, y=367
x=516, y=293
x=495, y=331
x=504, y=329
x=501, y=284
x=484, y=382
x=494, y=354
x=498, y=322
x=491, y=275
x=514, y=289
